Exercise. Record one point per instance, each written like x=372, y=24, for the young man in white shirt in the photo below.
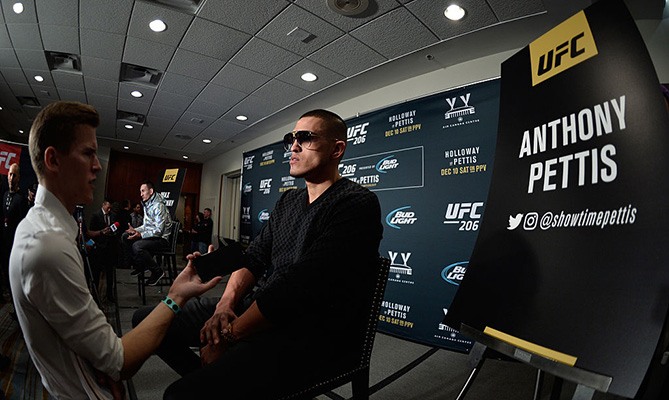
x=73, y=347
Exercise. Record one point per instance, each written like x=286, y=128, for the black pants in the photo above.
x=140, y=251
x=266, y=365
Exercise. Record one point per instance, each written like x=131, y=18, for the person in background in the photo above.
x=136, y=216
x=201, y=238
x=32, y=190
x=14, y=209
x=103, y=256
x=73, y=347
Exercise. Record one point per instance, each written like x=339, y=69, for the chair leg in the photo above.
x=360, y=385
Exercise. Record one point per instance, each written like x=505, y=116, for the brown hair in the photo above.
x=55, y=127
x=334, y=125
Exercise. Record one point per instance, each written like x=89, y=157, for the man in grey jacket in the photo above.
x=151, y=236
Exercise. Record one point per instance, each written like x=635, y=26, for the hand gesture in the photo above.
x=188, y=283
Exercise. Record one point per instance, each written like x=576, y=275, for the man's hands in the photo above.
x=188, y=283
x=217, y=324
x=211, y=352
x=132, y=233
x=117, y=389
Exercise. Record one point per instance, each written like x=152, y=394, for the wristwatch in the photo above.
x=229, y=337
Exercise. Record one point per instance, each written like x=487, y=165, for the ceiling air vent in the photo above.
x=189, y=6
x=182, y=136
x=349, y=8
x=28, y=101
x=137, y=74
x=63, y=61
x=132, y=118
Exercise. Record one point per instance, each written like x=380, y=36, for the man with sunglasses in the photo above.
x=296, y=309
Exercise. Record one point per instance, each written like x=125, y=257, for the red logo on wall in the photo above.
x=9, y=155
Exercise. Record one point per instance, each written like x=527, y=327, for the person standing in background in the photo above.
x=14, y=209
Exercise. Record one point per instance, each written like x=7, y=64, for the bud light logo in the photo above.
x=386, y=164
x=247, y=188
x=454, y=273
x=401, y=216
x=263, y=216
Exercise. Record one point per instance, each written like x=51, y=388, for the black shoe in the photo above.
x=156, y=275
x=138, y=271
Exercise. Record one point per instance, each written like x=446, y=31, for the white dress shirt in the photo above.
x=65, y=331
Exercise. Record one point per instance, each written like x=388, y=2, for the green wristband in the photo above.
x=172, y=305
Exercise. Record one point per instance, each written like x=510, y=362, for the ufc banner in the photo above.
x=429, y=162
x=169, y=184
x=11, y=153
x=572, y=255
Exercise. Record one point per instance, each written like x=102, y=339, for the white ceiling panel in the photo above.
x=264, y=57
x=58, y=12
x=98, y=44
x=247, y=16
x=105, y=15
x=143, y=13
x=64, y=39
x=25, y=36
x=213, y=40
x=347, y=56
x=147, y=54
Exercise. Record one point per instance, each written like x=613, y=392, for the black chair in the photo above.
x=358, y=375
x=167, y=260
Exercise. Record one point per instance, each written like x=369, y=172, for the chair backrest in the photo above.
x=174, y=235
x=374, y=310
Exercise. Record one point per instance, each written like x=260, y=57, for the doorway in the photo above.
x=230, y=206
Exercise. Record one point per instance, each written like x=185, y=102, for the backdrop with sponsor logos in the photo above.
x=429, y=162
x=572, y=254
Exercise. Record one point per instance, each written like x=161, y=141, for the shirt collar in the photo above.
x=47, y=200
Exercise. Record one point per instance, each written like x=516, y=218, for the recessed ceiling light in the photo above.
x=21, y=131
x=185, y=157
x=157, y=25
x=242, y=117
x=206, y=141
x=454, y=12
x=39, y=78
x=0, y=108
x=126, y=148
x=128, y=126
x=136, y=93
x=18, y=8
x=309, y=77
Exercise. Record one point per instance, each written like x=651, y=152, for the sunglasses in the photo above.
x=303, y=139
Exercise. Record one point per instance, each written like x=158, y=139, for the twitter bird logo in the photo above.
x=514, y=221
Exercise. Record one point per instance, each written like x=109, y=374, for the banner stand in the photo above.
x=587, y=382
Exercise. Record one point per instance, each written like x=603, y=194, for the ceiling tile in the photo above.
x=46, y=76
x=325, y=77
x=194, y=65
x=506, y=11
x=127, y=134
x=223, y=129
x=100, y=86
x=45, y=92
x=105, y=15
x=68, y=80
x=29, y=15
x=32, y=59
x=25, y=36
x=5, y=43
x=247, y=16
x=150, y=138
x=189, y=129
x=136, y=107
x=212, y=110
x=276, y=91
x=254, y=108
x=158, y=124
x=198, y=120
x=346, y=23
x=347, y=56
x=173, y=142
x=99, y=101
x=431, y=14
x=392, y=43
x=45, y=102
x=72, y=95
x=14, y=75
x=238, y=78
x=172, y=100
x=21, y=89
x=177, y=22
x=147, y=54
x=220, y=95
x=8, y=59
x=319, y=31
x=100, y=68
x=213, y=40
x=198, y=147
x=273, y=59
x=180, y=84
x=126, y=88
x=107, y=116
x=164, y=113
x=98, y=44
x=58, y=12
x=64, y=39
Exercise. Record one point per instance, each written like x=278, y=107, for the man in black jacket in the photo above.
x=103, y=257
x=14, y=209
